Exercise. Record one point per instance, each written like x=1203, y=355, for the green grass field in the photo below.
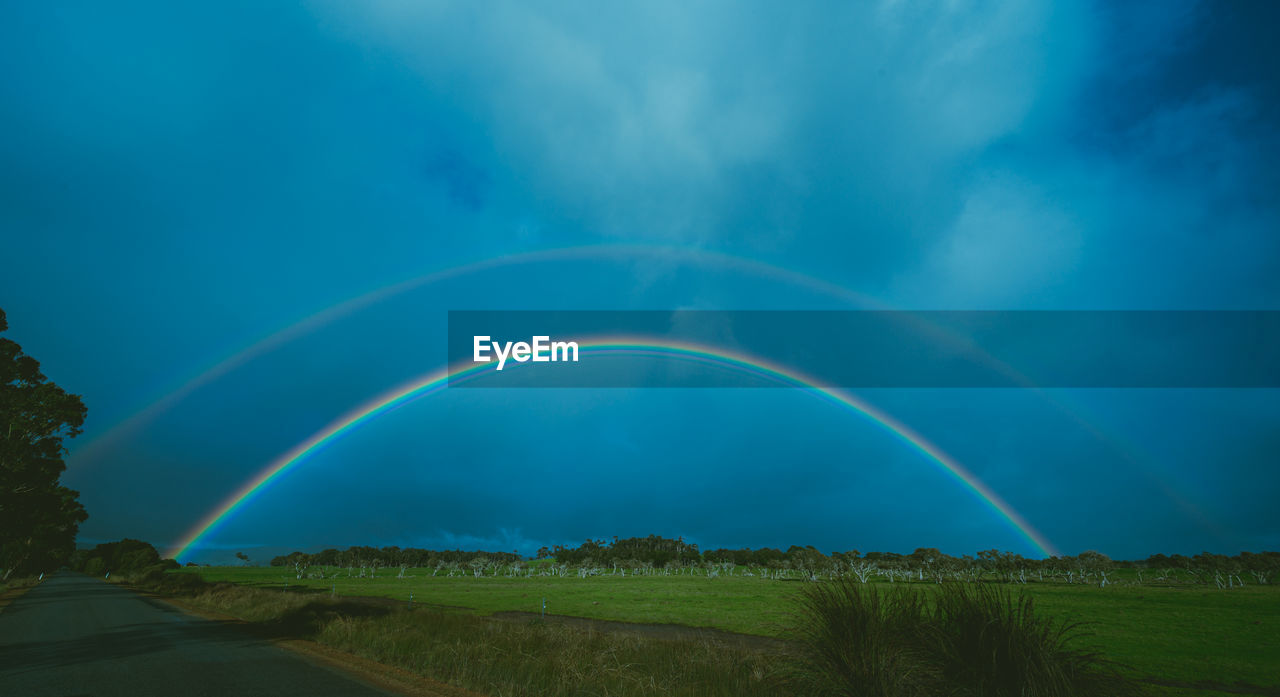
x=1198, y=637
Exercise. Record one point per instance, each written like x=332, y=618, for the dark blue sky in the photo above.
x=179, y=182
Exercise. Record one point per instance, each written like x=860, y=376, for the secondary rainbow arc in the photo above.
x=88, y=450
x=437, y=381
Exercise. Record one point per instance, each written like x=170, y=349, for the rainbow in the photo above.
x=91, y=448
x=634, y=346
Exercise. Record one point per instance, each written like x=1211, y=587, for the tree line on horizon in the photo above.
x=656, y=551
x=387, y=557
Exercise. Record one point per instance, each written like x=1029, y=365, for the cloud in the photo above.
x=708, y=124
x=1008, y=243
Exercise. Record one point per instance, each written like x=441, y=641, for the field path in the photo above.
x=75, y=636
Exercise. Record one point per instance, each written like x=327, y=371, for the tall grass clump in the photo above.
x=991, y=642
x=961, y=640
x=855, y=640
x=251, y=604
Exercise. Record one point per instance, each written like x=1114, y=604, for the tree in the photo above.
x=39, y=517
x=244, y=558
x=125, y=557
x=928, y=561
x=1262, y=566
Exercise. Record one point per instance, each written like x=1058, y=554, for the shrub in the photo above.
x=973, y=640
x=857, y=641
x=991, y=642
x=181, y=584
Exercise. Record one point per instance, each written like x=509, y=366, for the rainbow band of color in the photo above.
x=435, y=382
x=92, y=448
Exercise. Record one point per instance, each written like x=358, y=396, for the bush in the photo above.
x=152, y=575
x=181, y=584
x=95, y=567
x=991, y=642
x=973, y=640
x=857, y=641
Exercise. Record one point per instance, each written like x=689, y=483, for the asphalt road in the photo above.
x=75, y=636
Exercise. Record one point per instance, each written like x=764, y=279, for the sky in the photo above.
x=181, y=181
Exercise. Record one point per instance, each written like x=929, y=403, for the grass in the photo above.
x=15, y=586
x=535, y=658
x=1181, y=634
x=1198, y=637
x=735, y=604
x=860, y=641
x=500, y=657
x=992, y=639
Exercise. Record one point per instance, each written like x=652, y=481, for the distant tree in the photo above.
x=808, y=560
x=244, y=558
x=301, y=563
x=39, y=517
x=1092, y=561
x=929, y=562
x=124, y=557
x=655, y=550
x=1263, y=566
x=1006, y=565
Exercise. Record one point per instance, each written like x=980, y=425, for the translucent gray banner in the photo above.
x=865, y=349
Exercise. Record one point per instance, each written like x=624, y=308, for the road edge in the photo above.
x=7, y=597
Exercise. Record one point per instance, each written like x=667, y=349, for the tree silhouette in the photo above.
x=39, y=518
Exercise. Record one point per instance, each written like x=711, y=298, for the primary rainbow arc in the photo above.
x=640, y=346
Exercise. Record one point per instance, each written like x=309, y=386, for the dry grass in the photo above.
x=533, y=658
